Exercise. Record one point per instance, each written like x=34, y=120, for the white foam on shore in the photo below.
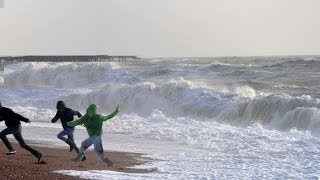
x=102, y=175
x=196, y=121
x=233, y=153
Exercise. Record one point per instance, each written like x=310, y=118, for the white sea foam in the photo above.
x=234, y=153
x=1, y=78
x=198, y=119
x=62, y=75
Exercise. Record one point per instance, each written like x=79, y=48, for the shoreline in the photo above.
x=23, y=165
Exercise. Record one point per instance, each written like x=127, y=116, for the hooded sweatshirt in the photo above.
x=11, y=118
x=65, y=114
x=93, y=121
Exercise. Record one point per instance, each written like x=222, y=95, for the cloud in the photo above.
x=160, y=28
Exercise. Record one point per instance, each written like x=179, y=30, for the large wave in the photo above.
x=63, y=75
x=108, y=84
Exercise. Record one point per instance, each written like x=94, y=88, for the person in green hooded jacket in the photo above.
x=93, y=123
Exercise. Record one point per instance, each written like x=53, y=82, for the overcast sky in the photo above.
x=153, y=28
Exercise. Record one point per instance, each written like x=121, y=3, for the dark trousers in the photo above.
x=16, y=131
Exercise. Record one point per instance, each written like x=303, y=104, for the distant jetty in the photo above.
x=70, y=58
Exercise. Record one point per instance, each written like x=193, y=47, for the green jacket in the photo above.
x=93, y=121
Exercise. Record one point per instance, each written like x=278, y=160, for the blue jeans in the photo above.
x=97, y=143
x=70, y=140
x=66, y=132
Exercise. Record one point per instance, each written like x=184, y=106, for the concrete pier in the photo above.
x=70, y=58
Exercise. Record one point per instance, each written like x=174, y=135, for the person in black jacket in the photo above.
x=66, y=114
x=12, y=121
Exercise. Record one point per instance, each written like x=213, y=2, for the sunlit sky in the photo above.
x=160, y=28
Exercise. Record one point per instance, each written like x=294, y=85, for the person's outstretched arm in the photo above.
x=111, y=115
x=56, y=117
x=14, y=115
x=76, y=122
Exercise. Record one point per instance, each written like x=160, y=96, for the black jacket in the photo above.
x=65, y=116
x=11, y=118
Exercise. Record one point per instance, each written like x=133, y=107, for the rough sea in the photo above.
x=197, y=118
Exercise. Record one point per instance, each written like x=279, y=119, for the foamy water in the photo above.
x=210, y=118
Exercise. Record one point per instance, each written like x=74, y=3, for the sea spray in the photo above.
x=199, y=118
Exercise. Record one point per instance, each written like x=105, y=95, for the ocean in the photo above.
x=198, y=118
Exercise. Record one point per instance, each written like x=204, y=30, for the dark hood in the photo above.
x=61, y=105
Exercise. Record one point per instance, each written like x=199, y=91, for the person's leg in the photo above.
x=72, y=143
x=84, y=146
x=70, y=134
x=71, y=139
x=67, y=132
x=62, y=134
x=98, y=148
x=22, y=143
x=4, y=138
x=75, y=147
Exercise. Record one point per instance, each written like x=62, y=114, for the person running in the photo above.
x=66, y=114
x=12, y=121
x=93, y=123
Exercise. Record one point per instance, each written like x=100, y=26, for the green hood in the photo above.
x=92, y=110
